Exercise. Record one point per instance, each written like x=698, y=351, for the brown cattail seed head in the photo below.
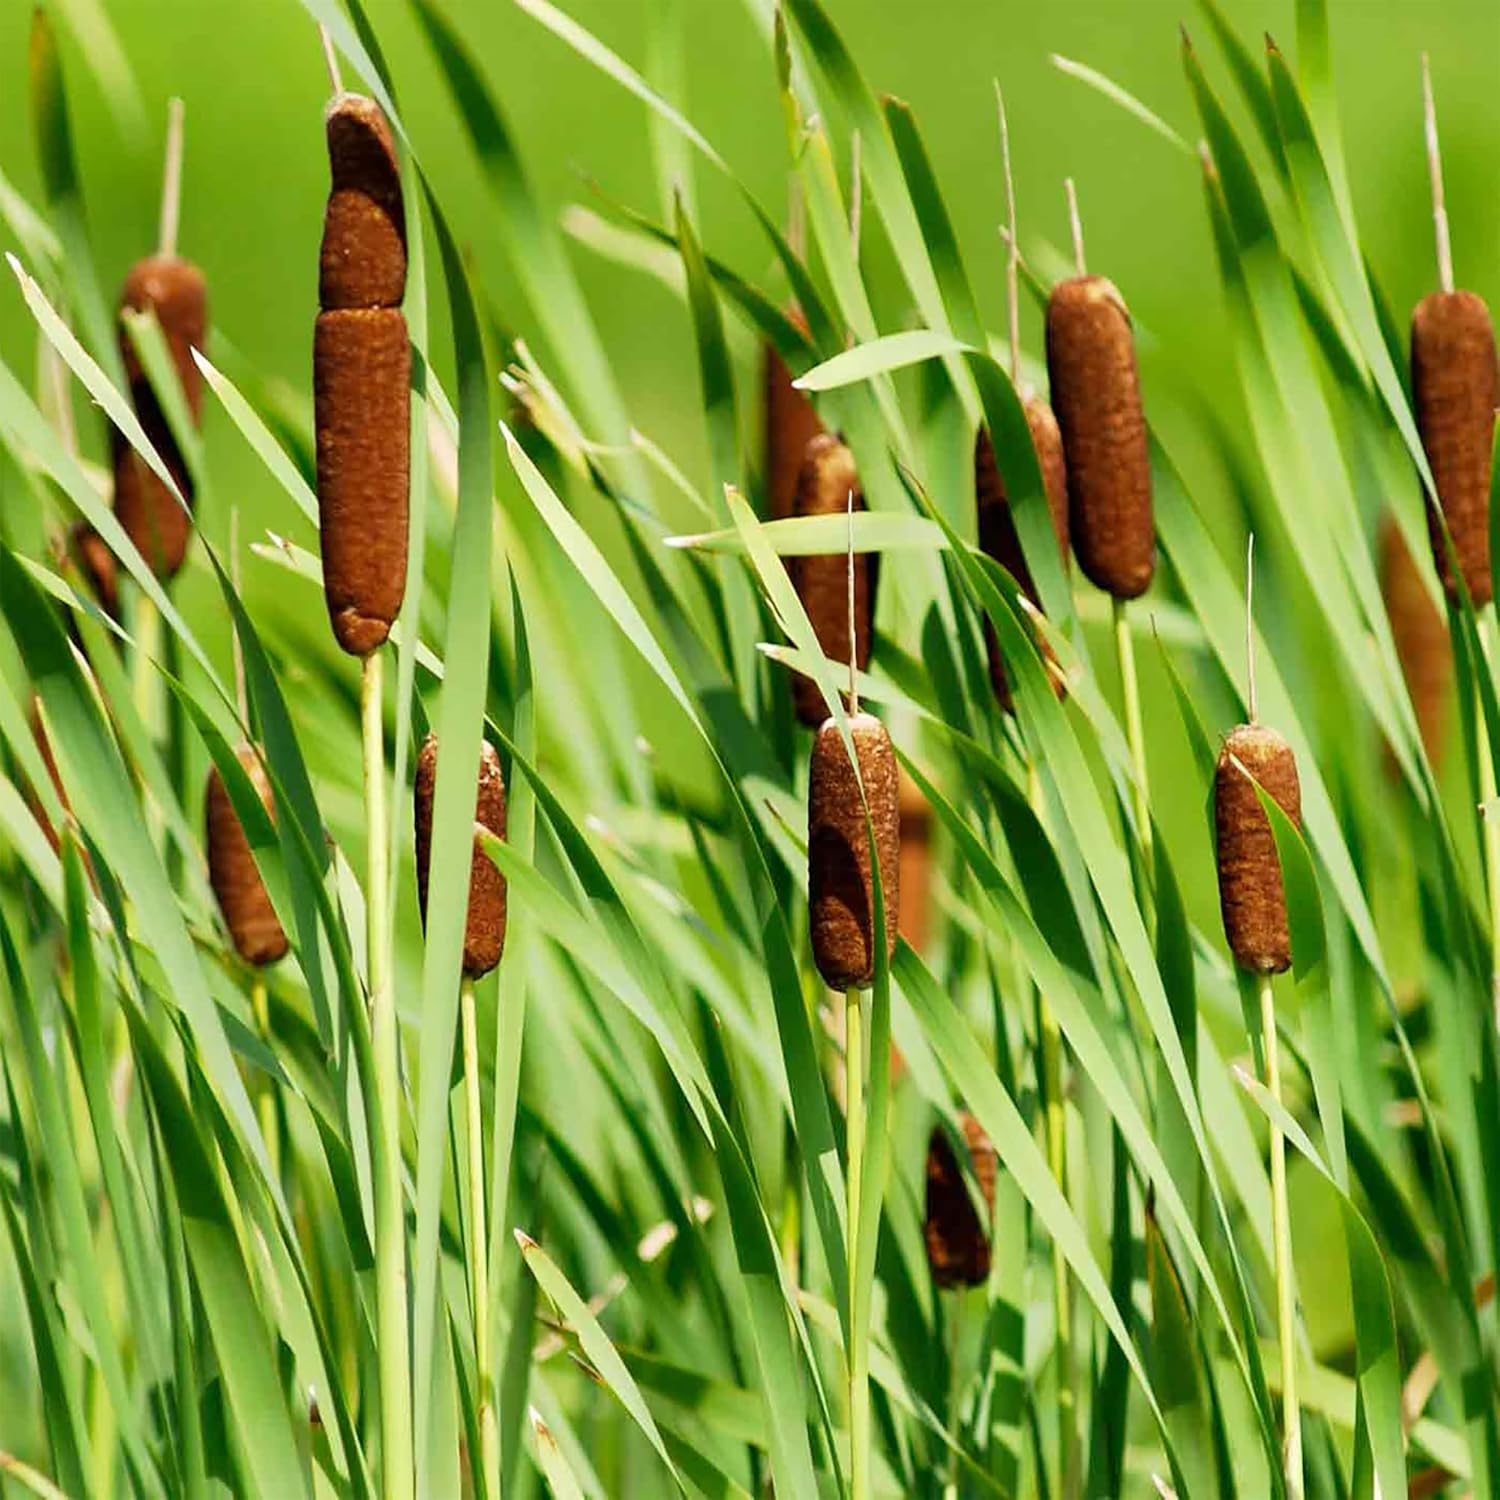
x=841, y=893
x=791, y=424
x=151, y=515
x=361, y=394
x=998, y=537
x=958, y=1244
x=1096, y=395
x=1423, y=646
x=242, y=896
x=363, y=260
x=915, y=864
x=824, y=484
x=98, y=565
x=1455, y=389
x=1251, y=896
x=484, y=928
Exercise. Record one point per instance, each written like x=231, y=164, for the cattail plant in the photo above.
x=791, y=423
x=957, y=1240
x=361, y=414
x=914, y=865
x=484, y=942
x=1252, y=901
x=98, y=565
x=1096, y=394
x=828, y=484
x=1423, y=645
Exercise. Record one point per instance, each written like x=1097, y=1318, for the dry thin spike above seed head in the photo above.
x=1423, y=645
x=361, y=409
x=841, y=892
x=791, y=423
x=363, y=257
x=1252, y=898
x=484, y=927
x=243, y=899
x=1096, y=395
x=824, y=484
x=1455, y=388
x=998, y=536
x=149, y=512
x=958, y=1244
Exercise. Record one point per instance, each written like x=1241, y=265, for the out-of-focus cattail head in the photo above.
x=998, y=537
x=363, y=259
x=1096, y=395
x=1252, y=897
x=243, y=900
x=1455, y=388
x=1423, y=645
x=958, y=1243
x=791, y=423
x=97, y=564
x=824, y=483
x=361, y=396
x=484, y=928
x=915, y=864
x=149, y=512
x=841, y=892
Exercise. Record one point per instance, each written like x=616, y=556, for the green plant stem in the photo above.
x=859, y=1344
x=390, y=1216
x=1134, y=732
x=1281, y=1230
x=260, y=1010
x=1489, y=815
x=479, y=1271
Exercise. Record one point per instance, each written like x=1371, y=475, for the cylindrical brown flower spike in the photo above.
x=1096, y=395
x=1252, y=898
x=958, y=1244
x=98, y=566
x=242, y=896
x=998, y=537
x=484, y=929
x=1423, y=646
x=1455, y=387
x=824, y=484
x=151, y=515
x=915, y=864
x=841, y=893
x=791, y=424
x=361, y=380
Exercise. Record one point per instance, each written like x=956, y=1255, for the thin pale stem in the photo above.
x=331, y=61
x=1013, y=251
x=1075, y=223
x=1134, y=731
x=390, y=1217
x=1281, y=1231
x=859, y=1347
x=1435, y=178
x=260, y=1009
x=1489, y=813
x=171, y=187
x=479, y=1271
x=856, y=194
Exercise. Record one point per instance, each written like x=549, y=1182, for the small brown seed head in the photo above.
x=1096, y=395
x=915, y=864
x=824, y=484
x=998, y=536
x=484, y=927
x=958, y=1244
x=1251, y=895
x=1455, y=389
x=361, y=407
x=363, y=257
x=98, y=565
x=243, y=899
x=1423, y=646
x=791, y=424
x=841, y=892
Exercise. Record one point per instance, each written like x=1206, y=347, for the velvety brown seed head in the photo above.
x=243, y=899
x=484, y=930
x=363, y=258
x=791, y=424
x=1251, y=896
x=915, y=864
x=823, y=485
x=361, y=396
x=841, y=895
x=1096, y=395
x=175, y=289
x=97, y=564
x=1423, y=645
x=958, y=1244
x=1455, y=389
x=998, y=536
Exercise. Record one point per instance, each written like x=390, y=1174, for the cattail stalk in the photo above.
x=1489, y=814
x=859, y=1344
x=479, y=1266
